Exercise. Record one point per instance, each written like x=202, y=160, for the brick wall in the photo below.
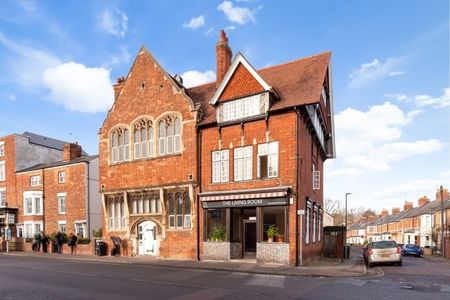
x=149, y=92
x=10, y=168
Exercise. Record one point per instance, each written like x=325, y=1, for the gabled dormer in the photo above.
x=242, y=93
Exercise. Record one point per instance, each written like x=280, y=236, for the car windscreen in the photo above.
x=384, y=245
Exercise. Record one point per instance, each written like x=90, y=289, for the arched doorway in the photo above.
x=147, y=243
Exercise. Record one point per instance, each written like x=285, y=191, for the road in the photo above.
x=49, y=278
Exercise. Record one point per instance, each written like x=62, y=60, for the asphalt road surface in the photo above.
x=49, y=278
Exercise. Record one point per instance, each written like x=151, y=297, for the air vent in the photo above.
x=190, y=177
x=102, y=187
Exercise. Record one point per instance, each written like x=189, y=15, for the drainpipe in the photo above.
x=88, y=200
x=199, y=182
x=297, y=240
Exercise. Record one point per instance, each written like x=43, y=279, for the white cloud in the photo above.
x=344, y=172
x=374, y=70
x=424, y=100
x=442, y=101
x=123, y=57
x=209, y=31
x=29, y=6
x=229, y=28
x=236, y=14
x=27, y=64
x=195, y=23
x=79, y=88
x=194, y=78
x=115, y=23
x=370, y=141
x=12, y=97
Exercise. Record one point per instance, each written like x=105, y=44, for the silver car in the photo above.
x=383, y=252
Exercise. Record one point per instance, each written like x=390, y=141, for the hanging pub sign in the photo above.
x=246, y=203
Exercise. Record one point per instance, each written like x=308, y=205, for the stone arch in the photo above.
x=135, y=223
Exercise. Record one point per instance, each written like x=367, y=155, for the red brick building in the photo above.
x=221, y=162
x=49, y=185
x=59, y=196
x=148, y=163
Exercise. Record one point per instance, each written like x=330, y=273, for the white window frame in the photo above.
x=60, y=196
x=242, y=108
x=121, y=151
x=31, y=225
x=314, y=229
x=35, y=180
x=2, y=197
x=319, y=238
x=220, y=166
x=62, y=222
x=307, y=221
x=2, y=170
x=62, y=177
x=316, y=177
x=271, y=150
x=36, y=197
x=243, y=163
x=2, y=148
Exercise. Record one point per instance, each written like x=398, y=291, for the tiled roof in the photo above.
x=59, y=163
x=241, y=84
x=297, y=83
x=45, y=141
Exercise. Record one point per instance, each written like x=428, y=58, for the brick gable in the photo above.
x=241, y=84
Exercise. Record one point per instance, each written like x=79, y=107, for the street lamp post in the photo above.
x=441, y=190
x=345, y=244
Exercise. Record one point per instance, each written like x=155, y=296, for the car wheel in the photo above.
x=399, y=264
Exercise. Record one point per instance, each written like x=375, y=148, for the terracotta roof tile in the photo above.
x=297, y=83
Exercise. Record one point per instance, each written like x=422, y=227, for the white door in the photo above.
x=147, y=237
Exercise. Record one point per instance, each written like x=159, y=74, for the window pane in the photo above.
x=215, y=224
x=126, y=136
x=263, y=166
x=153, y=206
x=170, y=144
x=274, y=215
x=162, y=129
x=177, y=126
x=177, y=143
x=162, y=144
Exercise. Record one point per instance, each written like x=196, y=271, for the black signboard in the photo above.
x=245, y=203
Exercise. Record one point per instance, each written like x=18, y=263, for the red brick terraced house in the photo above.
x=203, y=172
x=17, y=152
x=59, y=196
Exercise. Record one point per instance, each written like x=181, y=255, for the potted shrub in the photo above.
x=272, y=232
x=217, y=234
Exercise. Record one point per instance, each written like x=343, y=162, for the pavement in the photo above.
x=325, y=267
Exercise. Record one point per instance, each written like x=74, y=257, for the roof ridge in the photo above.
x=275, y=66
x=296, y=60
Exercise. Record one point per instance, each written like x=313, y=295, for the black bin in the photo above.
x=100, y=248
x=347, y=252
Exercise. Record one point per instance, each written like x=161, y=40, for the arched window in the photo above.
x=120, y=145
x=179, y=210
x=143, y=139
x=169, y=135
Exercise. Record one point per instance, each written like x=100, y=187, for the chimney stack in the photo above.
x=423, y=200
x=395, y=211
x=408, y=205
x=223, y=57
x=71, y=151
x=445, y=194
x=118, y=86
x=371, y=218
x=384, y=213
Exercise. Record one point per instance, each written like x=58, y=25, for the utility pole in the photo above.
x=441, y=189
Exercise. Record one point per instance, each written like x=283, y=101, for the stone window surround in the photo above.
x=121, y=127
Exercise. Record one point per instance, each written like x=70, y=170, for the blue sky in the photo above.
x=390, y=69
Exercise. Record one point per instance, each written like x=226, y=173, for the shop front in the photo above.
x=251, y=224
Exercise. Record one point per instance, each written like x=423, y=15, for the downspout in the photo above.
x=297, y=240
x=199, y=182
x=43, y=200
x=88, y=201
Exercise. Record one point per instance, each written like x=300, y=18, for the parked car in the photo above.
x=382, y=252
x=411, y=249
